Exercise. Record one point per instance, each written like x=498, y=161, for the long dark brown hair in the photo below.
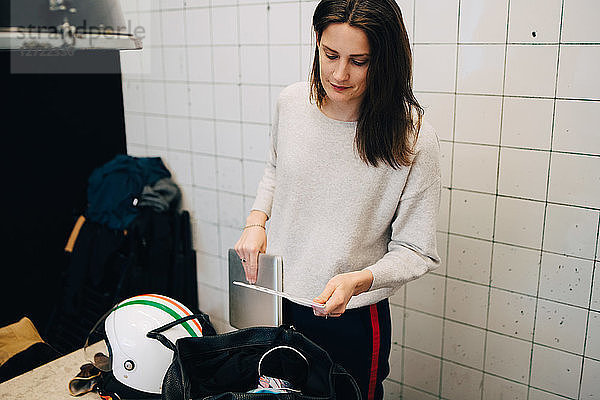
x=389, y=116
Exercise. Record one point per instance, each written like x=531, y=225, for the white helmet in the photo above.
x=139, y=359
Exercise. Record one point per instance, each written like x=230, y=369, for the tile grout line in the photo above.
x=445, y=292
x=545, y=207
x=510, y=96
x=587, y=322
x=241, y=123
x=498, y=44
x=189, y=113
x=522, y=198
x=270, y=90
x=268, y=45
x=498, y=165
x=142, y=73
x=402, y=342
x=530, y=149
x=290, y=44
x=162, y=81
x=207, y=119
x=214, y=128
x=299, y=75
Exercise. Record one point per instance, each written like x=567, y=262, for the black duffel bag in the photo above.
x=226, y=367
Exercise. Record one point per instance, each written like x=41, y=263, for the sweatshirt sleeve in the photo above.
x=266, y=187
x=412, y=247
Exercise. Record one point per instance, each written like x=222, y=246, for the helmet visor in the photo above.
x=97, y=349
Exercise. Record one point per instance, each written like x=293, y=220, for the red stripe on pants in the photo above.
x=375, y=356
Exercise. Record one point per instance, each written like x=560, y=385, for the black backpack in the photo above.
x=123, y=249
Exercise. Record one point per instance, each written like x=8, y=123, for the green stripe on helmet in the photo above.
x=166, y=309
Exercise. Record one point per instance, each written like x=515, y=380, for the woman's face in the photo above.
x=344, y=61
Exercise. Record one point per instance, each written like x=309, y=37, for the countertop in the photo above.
x=47, y=382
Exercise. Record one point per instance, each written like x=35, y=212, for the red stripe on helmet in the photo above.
x=183, y=309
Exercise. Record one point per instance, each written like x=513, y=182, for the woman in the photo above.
x=351, y=187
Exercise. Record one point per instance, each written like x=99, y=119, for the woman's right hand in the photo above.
x=252, y=242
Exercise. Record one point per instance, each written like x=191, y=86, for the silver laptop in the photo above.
x=249, y=307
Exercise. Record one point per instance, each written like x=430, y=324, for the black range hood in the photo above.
x=78, y=24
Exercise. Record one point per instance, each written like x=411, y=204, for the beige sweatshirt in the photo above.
x=332, y=213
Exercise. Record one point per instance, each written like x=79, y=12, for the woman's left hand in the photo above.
x=340, y=289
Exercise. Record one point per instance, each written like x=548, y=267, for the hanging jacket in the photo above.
x=114, y=189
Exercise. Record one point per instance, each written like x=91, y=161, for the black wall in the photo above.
x=59, y=121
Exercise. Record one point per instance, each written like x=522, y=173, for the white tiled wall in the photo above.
x=511, y=87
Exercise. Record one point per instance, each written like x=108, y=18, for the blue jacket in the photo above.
x=114, y=189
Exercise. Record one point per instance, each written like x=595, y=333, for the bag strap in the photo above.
x=157, y=333
x=339, y=371
x=280, y=348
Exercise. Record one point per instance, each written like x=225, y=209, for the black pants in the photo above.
x=359, y=340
